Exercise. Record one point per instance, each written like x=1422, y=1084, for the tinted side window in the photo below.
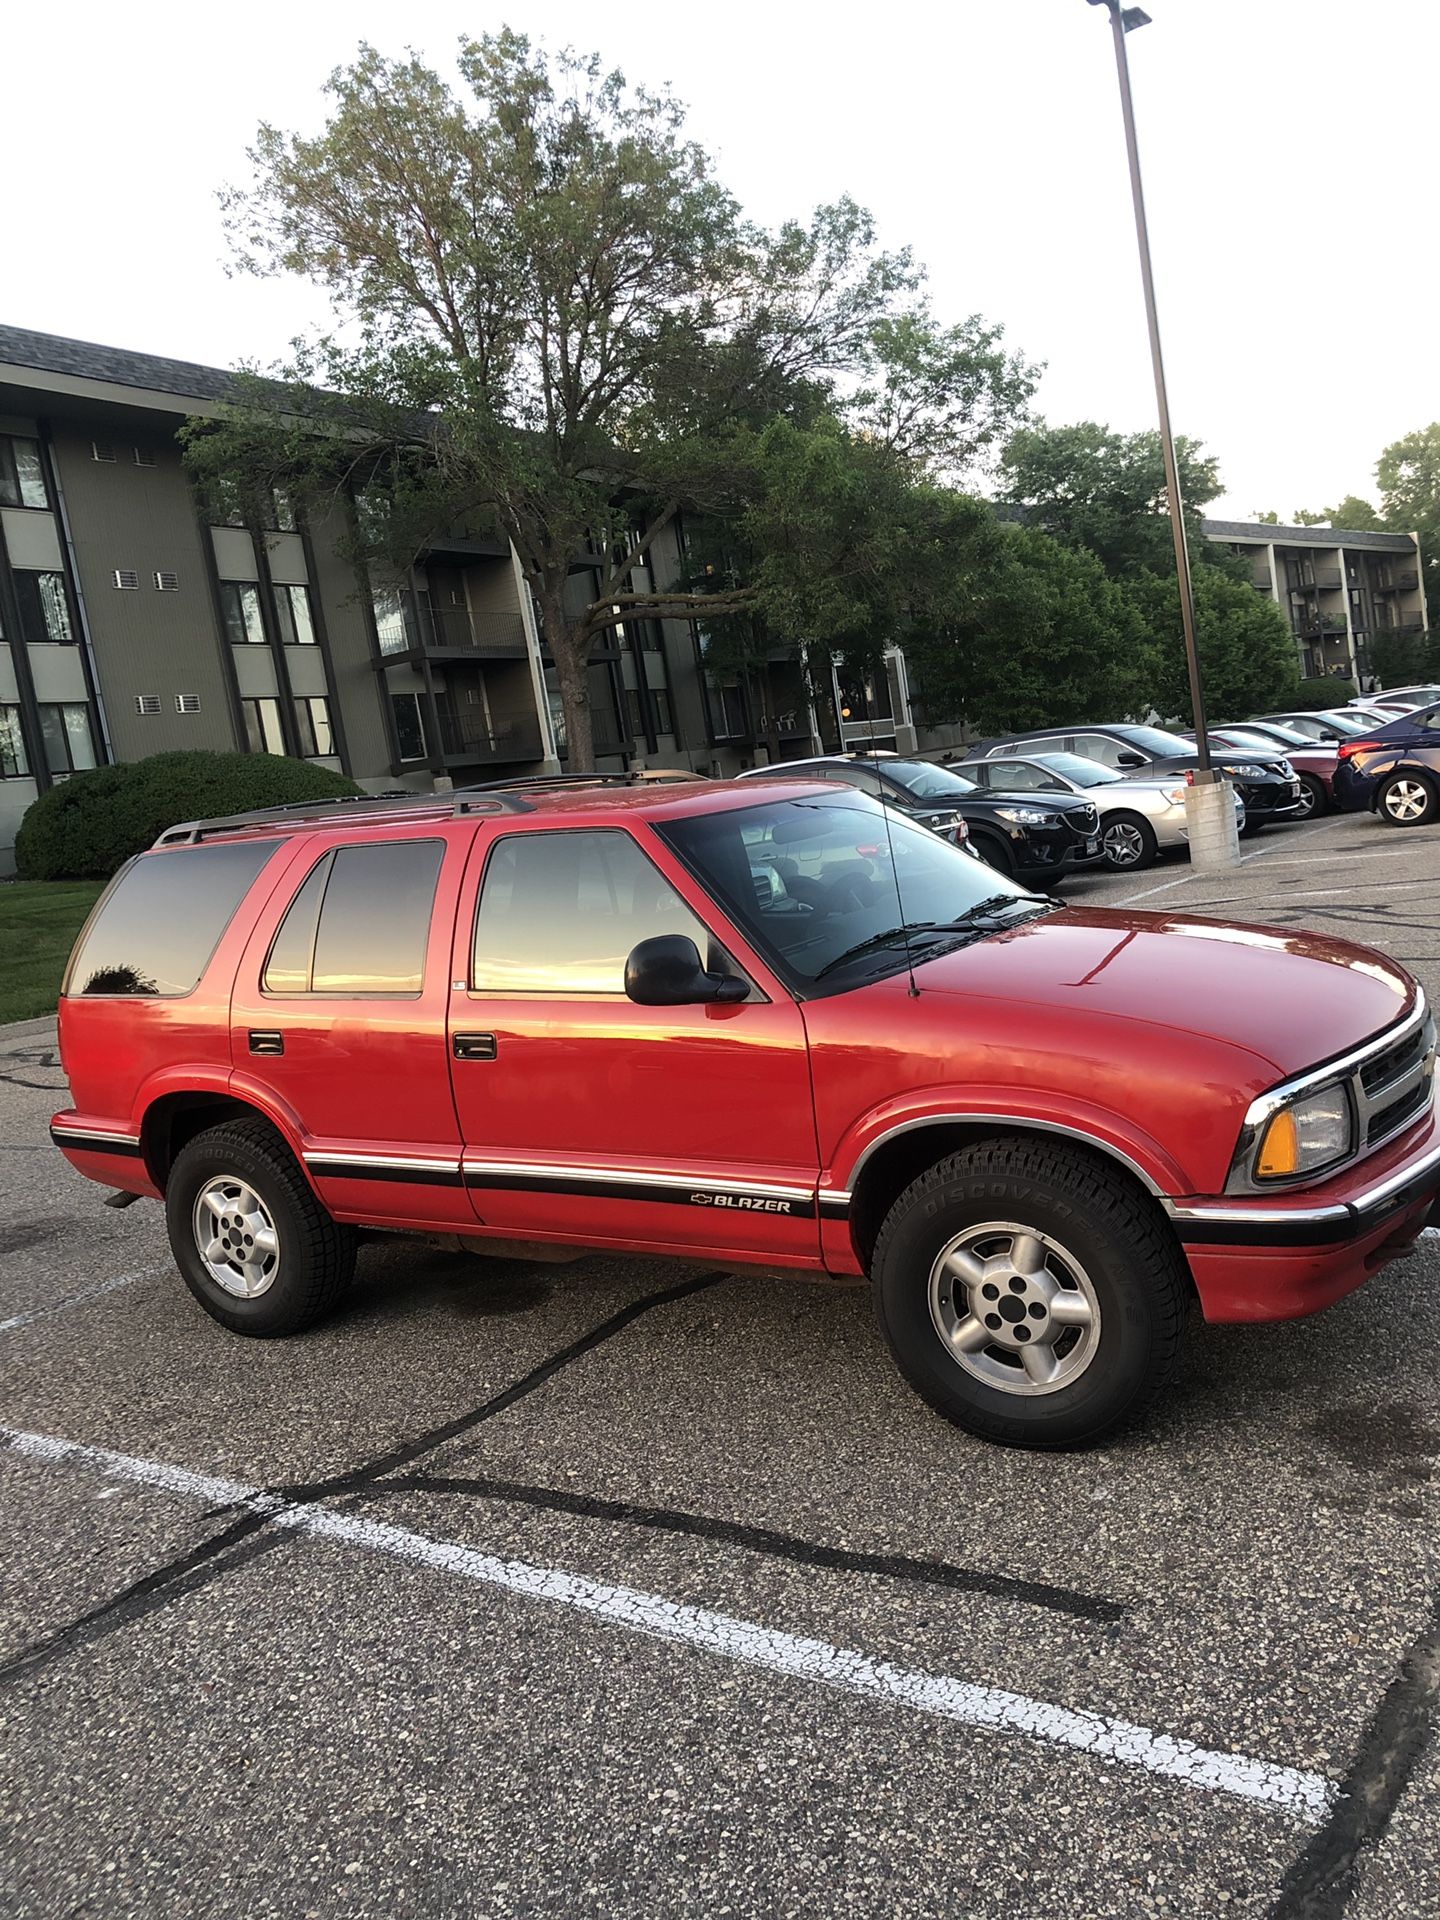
x=360, y=923
x=1018, y=776
x=863, y=777
x=560, y=913
x=1099, y=746
x=157, y=927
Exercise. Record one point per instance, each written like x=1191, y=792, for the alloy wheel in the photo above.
x=1407, y=799
x=236, y=1237
x=1014, y=1308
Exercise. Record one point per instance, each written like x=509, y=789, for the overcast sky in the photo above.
x=1288, y=149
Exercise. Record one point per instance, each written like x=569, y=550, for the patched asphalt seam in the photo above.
x=1323, y=1879
x=214, y=1558
x=771, y=1542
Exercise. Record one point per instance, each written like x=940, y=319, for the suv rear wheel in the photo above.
x=254, y=1245
x=1029, y=1293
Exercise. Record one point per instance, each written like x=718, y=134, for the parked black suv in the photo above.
x=1267, y=783
x=1036, y=838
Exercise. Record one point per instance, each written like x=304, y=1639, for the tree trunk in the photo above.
x=570, y=649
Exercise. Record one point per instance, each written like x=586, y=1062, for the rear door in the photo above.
x=338, y=1021
x=586, y=1118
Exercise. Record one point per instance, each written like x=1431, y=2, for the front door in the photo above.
x=588, y=1118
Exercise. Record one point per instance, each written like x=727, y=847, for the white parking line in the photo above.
x=1305, y=1796
x=18, y=1320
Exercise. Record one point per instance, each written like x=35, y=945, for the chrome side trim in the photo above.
x=1017, y=1121
x=411, y=1163
x=80, y=1134
x=1413, y=1169
x=1257, y=1216
x=634, y=1176
x=1266, y=1104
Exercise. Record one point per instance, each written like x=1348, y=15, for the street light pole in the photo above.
x=1122, y=20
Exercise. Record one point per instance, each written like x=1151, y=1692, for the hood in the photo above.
x=1292, y=998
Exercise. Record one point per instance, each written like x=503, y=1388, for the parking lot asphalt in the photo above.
x=624, y=1588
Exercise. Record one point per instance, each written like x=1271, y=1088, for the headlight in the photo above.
x=1287, y=770
x=1306, y=1135
x=1176, y=796
x=1245, y=772
x=1026, y=816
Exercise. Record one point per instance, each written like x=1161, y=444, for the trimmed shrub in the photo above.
x=1330, y=692
x=88, y=826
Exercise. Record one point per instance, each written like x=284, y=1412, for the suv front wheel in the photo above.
x=1029, y=1293
x=254, y=1245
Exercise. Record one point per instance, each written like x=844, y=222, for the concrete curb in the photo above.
x=25, y=1029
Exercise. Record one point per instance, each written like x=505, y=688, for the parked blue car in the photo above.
x=1393, y=770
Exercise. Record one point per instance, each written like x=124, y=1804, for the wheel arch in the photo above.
x=174, y=1119
x=903, y=1152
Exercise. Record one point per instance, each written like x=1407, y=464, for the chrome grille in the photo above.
x=1395, y=1086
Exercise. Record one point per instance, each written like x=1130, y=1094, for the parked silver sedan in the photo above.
x=1138, y=818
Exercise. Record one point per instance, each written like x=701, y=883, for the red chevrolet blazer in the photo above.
x=763, y=1022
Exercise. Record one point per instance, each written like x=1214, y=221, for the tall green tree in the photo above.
x=1025, y=631
x=1247, y=651
x=1409, y=475
x=1106, y=491
x=1352, y=514
x=556, y=321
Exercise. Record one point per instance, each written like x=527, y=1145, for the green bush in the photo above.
x=1333, y=691
x=89, y=825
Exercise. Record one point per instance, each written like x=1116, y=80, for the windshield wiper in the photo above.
x=997, y=900
x=885, y=939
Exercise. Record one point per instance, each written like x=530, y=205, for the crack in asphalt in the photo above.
x=214, y=1557
x=1322, y=1880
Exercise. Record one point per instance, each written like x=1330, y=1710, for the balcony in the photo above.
x=1397, y=583
x=466, y=737
x=406, y=621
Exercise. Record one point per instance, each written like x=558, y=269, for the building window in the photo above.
x=69, y=741
x=281, y=516
x=44, y=615
x=262, y=726
x=240, y=605
x=390, y=628
x=22, y=477
x=664, y=719
x=409, y=725
x=632, y=708
x=292, y=604
x=312, y=722
x=13, y=764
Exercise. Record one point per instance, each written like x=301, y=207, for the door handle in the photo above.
x=475, y=1046
x=267, y=1042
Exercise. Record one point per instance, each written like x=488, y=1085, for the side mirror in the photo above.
x=666, y=972
x=1131, y=760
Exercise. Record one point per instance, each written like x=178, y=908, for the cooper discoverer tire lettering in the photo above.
x=252, y=1242
x=1030, y=1293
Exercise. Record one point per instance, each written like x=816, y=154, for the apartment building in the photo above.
x=1338, y=588
x=136, y=617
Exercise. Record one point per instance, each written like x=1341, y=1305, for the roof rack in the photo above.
x=488, y=796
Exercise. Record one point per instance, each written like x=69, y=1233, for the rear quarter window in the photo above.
x=153, y=933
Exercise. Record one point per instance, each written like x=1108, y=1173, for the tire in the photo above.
x=1407, y=800
x=1134, y=838
x=1100, y=1242
x=1313, y=798
x=246, y=1168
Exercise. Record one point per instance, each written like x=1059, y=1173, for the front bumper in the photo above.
x=1270, y=799
x=1258, y=1259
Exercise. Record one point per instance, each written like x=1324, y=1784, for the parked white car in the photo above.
x=1138, y=818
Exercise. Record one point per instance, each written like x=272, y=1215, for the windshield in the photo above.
x=924, y=782
x=1280, y=736
x=1242, y=737
x=1343, y=722
x=1154, y=740
x=808, y=880
x=1085, y=773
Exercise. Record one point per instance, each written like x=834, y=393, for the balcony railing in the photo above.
x=1397, y=583
x=466, y=735
x=404, y=620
